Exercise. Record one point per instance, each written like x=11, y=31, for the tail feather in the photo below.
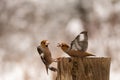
x=47, y=69
x=89, y=54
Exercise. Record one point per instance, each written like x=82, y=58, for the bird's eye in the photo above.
x=43, y=42
x=63, y=45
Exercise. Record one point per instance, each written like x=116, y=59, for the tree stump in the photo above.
x=89, y=68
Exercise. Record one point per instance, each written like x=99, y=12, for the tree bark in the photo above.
x=90, y=68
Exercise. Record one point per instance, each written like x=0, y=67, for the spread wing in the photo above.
x=75, y=43
x=78, y=44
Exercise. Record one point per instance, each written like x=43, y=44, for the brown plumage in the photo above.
x=72, y=52
x=45, y=55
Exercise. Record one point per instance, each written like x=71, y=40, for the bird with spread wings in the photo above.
x=77, y=47
x=79, y=44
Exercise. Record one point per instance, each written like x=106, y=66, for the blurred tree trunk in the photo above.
x=83, y=69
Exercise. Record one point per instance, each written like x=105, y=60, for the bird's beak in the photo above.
x=83, y=32
x=58, y=45
x=47, y=43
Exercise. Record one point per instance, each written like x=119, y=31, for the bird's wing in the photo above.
x=39, y=50
x=75, y=43
x=84, y=45
x=41, y=54
x=42, y=57
x=44, y=61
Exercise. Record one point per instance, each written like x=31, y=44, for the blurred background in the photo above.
x=24, y=23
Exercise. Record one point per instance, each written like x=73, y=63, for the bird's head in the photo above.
x=63, y=46
x=44, y=43
x=83, y=32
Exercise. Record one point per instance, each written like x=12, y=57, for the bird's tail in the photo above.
x=47, y=69
x=89, y=54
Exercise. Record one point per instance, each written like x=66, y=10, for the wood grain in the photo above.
x=90, y=68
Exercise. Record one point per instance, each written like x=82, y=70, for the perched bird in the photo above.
x=45, y=55
x=73, y=52
x=79, y=44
